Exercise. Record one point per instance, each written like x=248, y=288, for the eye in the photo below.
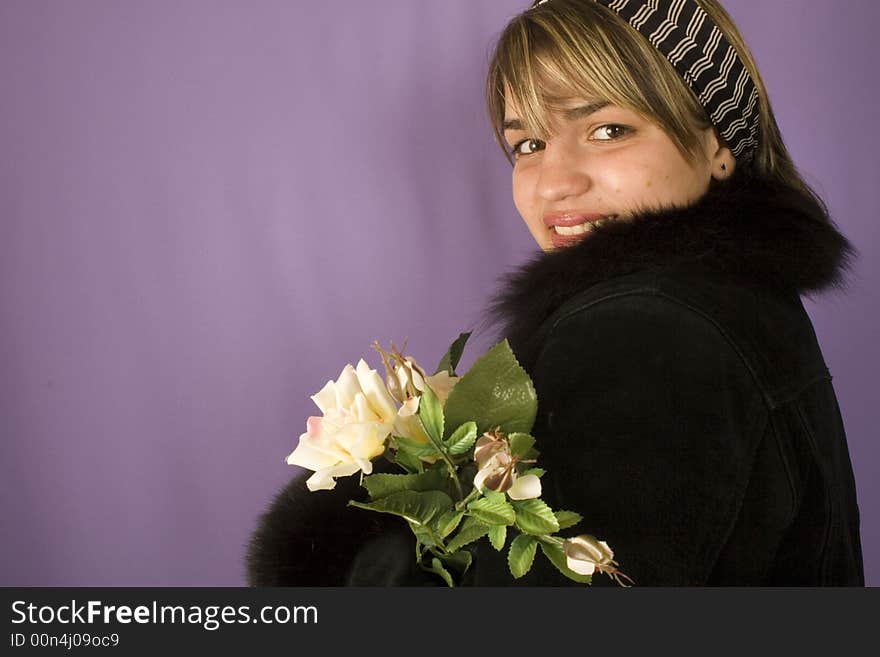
x=610, y=132
x=527, y=147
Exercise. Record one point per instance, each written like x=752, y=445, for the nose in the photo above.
x=563, y=174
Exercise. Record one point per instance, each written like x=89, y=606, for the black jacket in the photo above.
x=685, y=410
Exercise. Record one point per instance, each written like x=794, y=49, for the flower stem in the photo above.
x=551, y=540
x=471, y=496
x=449, y=464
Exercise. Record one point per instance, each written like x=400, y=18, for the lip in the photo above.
x=568, y=218
x=572, y=218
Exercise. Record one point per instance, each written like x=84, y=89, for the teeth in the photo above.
x=580, y=229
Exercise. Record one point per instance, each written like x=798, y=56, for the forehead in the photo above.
x=560, y=108
x=542, y=107
x=544, y=122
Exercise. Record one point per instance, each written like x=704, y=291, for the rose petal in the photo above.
x=418, y=373
x=588, y=548
x=362, y=439
x=375, y=391
x=500, y=480
x=418, y=381
x=442, y=384
x=371, y=444
x=410, y=427
x=580, y=567
x=362, y=410
x=314, y=455
x=324, y=479
x=487, y=447
x=313, y=427
x=346, y=387
x=409, y=407
x=480, y=477
x=365, y=465
x=325, y=398
x=492, y=467
x=525, y=488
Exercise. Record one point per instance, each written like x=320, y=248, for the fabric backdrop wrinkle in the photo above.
x=209, y=208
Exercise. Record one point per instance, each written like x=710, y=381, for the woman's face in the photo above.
x=602, y=163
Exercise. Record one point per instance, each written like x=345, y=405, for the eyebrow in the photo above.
x=571, y=114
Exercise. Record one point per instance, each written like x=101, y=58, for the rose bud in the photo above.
x=584, y=554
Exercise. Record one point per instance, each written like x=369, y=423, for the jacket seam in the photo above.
x=724, y=536
x=796, y=491
x=830, y=494
x=794, y=393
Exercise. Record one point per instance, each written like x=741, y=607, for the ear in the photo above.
x=721, y=161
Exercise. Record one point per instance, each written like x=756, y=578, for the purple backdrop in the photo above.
x=209, y=207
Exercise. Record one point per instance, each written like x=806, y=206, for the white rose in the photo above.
x=359, y=414
x=585, y=554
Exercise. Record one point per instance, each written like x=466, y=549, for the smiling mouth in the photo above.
x=582, y=229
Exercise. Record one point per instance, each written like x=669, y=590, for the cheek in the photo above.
x=688, y=183
x=665, y=179
x=522, y=195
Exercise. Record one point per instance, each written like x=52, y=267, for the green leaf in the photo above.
x=494, y=392
x=556, y=555
x=521, y=555
x=450, y=359
x=457, y=563
x=538, y=472
x=447, y=523
x=417, y=507
x=383, y=485
x=411, y=463
x=424, y=535
x=535, y=517
x=471, y=530
x=415, y=448
x=494, y=496
x=567, y=519
x=520, y=444
x=431, y=414
x=462, y=439
x=497, y=536
x=492, y=512
x=437, y=567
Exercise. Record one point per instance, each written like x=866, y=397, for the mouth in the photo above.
x=566, y=228
x=581, y=229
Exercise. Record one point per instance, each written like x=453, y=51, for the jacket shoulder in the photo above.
x=769, y=330
x=649, y=330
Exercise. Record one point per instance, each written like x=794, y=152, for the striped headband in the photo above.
x=702, y=56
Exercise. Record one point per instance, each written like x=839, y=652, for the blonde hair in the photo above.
x=568, y=49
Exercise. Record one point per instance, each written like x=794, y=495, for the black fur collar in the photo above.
x=754, y=231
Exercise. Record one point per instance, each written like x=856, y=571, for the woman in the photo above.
x=685, y=408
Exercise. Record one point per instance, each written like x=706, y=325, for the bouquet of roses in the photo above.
x=467, y=460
